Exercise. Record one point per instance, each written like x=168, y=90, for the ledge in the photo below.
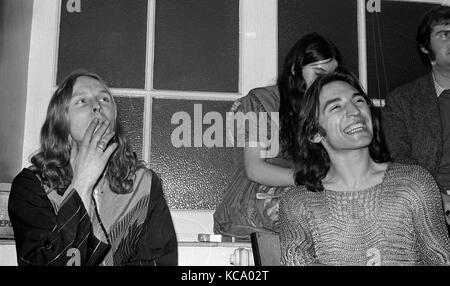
x=180, y=243
x=213, y=244
x=7, y=241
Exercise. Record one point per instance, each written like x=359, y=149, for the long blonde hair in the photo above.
x=52, y=162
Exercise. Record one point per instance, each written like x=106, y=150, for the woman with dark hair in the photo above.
x=250, y=203
x=87, y=199
x=355, y=207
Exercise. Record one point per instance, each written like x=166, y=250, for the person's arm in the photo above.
x=44, y=237
x=297, y=246
x=158, y=244
x=262, y=172
x=429, y=223
x=256, y=167
x=395, y=132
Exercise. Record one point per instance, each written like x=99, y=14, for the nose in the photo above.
x=352, y=109
x=96, y=106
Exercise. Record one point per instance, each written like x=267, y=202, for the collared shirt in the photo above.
x=437, y=86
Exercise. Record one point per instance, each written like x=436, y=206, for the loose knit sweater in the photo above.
x=399, y=221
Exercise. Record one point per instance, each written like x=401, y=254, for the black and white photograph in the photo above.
x=223, y=133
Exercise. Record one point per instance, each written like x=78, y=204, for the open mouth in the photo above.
x=354, y=128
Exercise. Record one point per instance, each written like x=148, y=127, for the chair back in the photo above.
x=266, y=248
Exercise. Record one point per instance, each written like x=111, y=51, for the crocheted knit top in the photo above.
x=399, y=221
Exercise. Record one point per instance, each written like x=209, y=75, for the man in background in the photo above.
x=416, y=116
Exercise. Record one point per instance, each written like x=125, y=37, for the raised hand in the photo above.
x=89, y=159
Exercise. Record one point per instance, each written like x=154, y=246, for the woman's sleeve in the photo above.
x=429, y=221
x=158, y=244
x=245, y=117
x=43, y=237
x=297, y=247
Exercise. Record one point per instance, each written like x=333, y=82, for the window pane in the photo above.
x=197, y=45
x=107, y=37
x=194, y=177
x=392, y=55
x=130, y=111
x=335, y=20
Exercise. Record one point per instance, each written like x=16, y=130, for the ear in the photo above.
x=316, y=138
x=293, y=69
x=424, y=50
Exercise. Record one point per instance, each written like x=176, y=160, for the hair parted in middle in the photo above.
x=52, y=161
x=313, y=161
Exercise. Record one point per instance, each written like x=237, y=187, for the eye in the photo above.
x=335, y=107
x=444, y=35
x=106, y=99
x=360, y=100
x=81, y=101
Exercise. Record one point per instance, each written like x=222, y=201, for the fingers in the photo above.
x=108, y=152
x=89, y=131
x=73, y=153
x=106, y=138
x=99, y=133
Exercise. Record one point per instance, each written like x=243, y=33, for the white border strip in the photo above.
x=41, y=71
x=258, y=53
x=362, y=43
x=193, y=95
x=147, y=126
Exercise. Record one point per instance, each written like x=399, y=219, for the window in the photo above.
x=158, y=58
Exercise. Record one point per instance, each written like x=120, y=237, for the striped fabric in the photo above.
x=46, y=235
x=124, y=233
x=59, y=230
x=133, y=222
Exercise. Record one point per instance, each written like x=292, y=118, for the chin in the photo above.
x=362, y=141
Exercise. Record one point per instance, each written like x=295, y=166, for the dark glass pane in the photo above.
x=107, y=37
x=392, y=56
x=197, y=45
x=335, y=20
x=194, y=177
x=130, y=111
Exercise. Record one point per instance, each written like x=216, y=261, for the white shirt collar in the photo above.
x=437, y=86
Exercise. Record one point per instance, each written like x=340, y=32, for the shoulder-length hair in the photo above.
x=292, y=86
x=314, y=162
x=52, y=161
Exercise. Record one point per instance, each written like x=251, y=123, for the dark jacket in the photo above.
x=44, y=237
x=411, y=124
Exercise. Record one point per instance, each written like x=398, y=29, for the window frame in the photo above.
x=257, y=65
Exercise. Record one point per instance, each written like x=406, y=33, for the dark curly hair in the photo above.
x=292, y=86
x=313, y=160
x=51, y=163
